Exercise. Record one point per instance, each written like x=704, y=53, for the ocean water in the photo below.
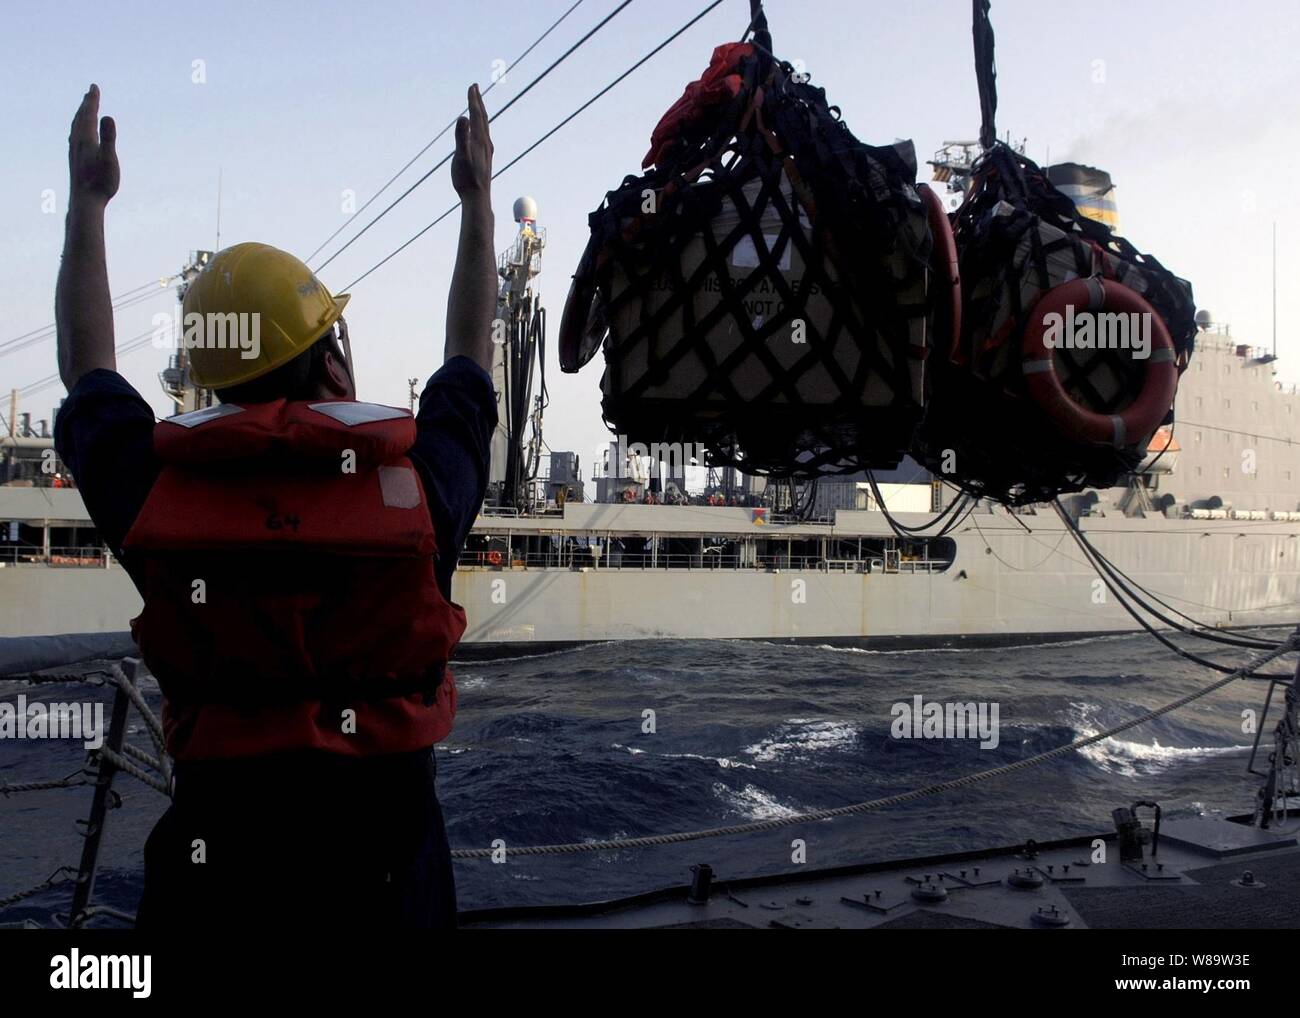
x=554, y=748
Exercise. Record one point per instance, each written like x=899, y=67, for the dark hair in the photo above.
x=296, y=379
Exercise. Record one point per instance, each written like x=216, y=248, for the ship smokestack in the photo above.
x=1091, y=190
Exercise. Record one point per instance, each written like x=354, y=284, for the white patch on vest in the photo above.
x=353, y=414
x=399, y=487
x=196, y=417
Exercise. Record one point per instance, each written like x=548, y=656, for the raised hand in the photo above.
x=471, y=166
x=92, y=152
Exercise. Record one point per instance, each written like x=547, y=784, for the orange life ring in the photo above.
x=494, y=557
x=944, y=265
x=1140, y=419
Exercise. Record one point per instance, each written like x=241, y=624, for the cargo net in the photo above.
x=1018, y=237
x=760, y=293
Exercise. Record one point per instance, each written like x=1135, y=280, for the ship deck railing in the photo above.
x=707, y=562
x=554, y=511
x=88, y=557
x=514, y=512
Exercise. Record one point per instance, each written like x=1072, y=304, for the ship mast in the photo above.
x=519, y=344
x=175, y=378
x=954, y=164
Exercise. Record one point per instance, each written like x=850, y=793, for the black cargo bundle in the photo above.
x=762, y=289
x=1017, y=412
x=1019, y=238
x=1006, y=208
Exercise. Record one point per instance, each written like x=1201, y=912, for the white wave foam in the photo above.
x=591, y=839
x=725, y=762
x=642, y=675
x=799, y=738
x=507, y=658
x=1132, y=759
x=753, y=803
x=1081, y=641
x=609, y=855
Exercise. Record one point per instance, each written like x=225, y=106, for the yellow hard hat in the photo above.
x=293, y=308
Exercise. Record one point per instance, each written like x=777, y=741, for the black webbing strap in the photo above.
x=986, y=74
x=758, y=25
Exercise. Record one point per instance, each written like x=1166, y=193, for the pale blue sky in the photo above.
x=1193, y=110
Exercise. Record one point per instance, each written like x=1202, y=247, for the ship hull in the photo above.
x=1002, y=583
x=1219, y=540
x=1011, y=578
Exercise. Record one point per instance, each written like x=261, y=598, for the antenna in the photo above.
x=1275, y=289
x=218, y=208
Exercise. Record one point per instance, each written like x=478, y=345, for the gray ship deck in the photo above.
x=1193, y=882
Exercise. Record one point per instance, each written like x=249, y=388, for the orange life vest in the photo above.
x=286, y=556
x=720, y=82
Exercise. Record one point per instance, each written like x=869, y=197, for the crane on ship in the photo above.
x=519, y=337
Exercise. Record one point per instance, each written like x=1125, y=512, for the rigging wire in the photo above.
x=1175, y=597
x=1116, y=587
x=905, y=531
x=1155, y=595
x=1245, y=434
x=447, y=158
x=125, y=347
x=1168, y=444
x=121, y=296
x=127, y=300
x=1019, y=569
x=1073, y=527
x=14, y=347
x=52, y=379
x=1254, y=644
x=654, y=52
x=452, y=123
x=48, y=331
x=49, y=380
x=986, y=74
x=1202, y=632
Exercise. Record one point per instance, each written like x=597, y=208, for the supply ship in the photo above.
x=1206, y=525
x=1209, y=523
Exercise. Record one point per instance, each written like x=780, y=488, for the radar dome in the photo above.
x=525, y=208
x=1203, y=317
